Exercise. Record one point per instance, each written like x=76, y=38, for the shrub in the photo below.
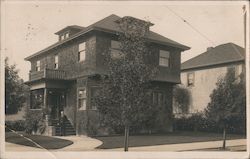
x=18, y=125
x=198, y=122
x=34, y=122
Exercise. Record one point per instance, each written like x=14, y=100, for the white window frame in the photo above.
x=82, y=52
x=83, y=98
x=190, y=81
x=38, y=65
x=56, y=62
x=164, y=60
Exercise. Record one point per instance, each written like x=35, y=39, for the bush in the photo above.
x=34, y=122
x=198, y=122
x=18, y=125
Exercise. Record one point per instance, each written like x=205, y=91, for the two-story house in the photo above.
x=201, y=73
x=64, y=76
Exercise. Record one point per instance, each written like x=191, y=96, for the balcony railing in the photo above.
x=48, y=74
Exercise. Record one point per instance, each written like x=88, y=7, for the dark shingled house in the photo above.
x=63, y=79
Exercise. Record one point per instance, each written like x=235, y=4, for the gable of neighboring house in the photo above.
x=201, y=73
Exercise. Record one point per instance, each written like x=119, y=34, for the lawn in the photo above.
x=161, y=139
x=45, y=141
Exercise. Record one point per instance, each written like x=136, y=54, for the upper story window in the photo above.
x=82, y=99
x=164, y=57
x=38, y=65
x=115, y=50
x=56, y=62
x=82, y=52
x=190, y=79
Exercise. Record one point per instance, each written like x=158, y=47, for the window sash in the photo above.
x=56, y=62
x=82, y=46
x=164, y=58
x=82, y=99
x=81, y=56
x=38, y=66
x=190, y=78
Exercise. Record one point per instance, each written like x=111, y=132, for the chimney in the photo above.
x=132, y=24
x=209, y=48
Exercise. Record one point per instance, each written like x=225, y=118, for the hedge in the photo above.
x=18, y=125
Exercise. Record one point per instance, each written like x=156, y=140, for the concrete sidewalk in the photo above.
x=186, y=146
x=84, y=143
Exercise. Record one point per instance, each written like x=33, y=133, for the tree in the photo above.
x=228, y=102
x=14, y=89
x=124, y=102
x=181, y=98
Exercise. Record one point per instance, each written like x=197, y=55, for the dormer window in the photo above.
x=56, y=62
x=38, y=65
x=64, y=36
x=81, y=52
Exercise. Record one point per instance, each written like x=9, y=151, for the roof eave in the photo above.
x=211, y=65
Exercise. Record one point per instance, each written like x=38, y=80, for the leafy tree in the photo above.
x=14, y=89
x=228, y=102
x=181, y=98
x=124, y=102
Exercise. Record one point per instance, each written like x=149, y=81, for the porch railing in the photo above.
x=48, y=74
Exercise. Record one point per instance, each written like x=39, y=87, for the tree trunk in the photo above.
x=126, y=135
x=224, y=138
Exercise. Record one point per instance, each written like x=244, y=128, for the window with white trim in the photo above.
x=164, y=58
x=38, y=65
x=82, y=52
x=56, y=62
x=82, y=99
x=190, y=79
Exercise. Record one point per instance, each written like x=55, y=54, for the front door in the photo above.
x=56, y=103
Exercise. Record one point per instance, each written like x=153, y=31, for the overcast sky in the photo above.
x=30, y=27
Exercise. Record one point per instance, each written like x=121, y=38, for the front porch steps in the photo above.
x=69, y=129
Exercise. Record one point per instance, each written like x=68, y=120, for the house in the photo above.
x=64, y=76
x=201, y=73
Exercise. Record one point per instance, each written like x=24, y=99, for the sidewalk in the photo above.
x=186, y=146
x=83, y=143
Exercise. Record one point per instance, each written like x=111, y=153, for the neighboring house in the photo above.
x=64, y=76
x=201, y=73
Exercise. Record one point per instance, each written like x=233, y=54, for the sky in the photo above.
x=29, y=27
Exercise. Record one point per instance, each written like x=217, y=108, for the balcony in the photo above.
x=47, y=74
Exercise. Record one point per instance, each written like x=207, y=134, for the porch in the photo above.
x=49, y=97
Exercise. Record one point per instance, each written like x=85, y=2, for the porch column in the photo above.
x=45, y=98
